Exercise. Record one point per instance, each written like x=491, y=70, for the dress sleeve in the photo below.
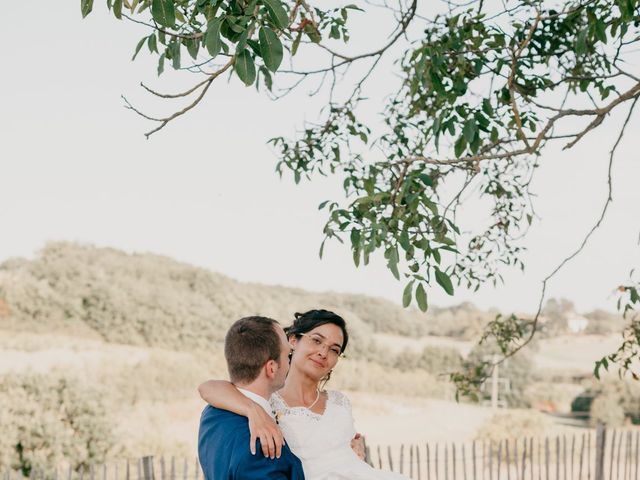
x=341, y=400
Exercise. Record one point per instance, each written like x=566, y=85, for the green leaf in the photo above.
x=421, y=298
x=255, y=47
x=486, y=107
x=426, y=179
x=313, y=33
x=601, y=32
x=193, y=45
x=161, y=64
x=277, y=13
x=406, y=295
x=444, y=281
x=393, y=262
x=581, y=42
x=175, y=55
x=404, y=240
x=321, y=252
x=271, y=48
x=296, y=44
x=460, y=146
x=85, y=7
x=138, y=47
x=268, y=81
x=117, y=9
x=245, y=68
x=212, y=41
x=469, y=130
x=152, y=43
x=164, y=12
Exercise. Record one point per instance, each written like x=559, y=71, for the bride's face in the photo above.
x=318, y=350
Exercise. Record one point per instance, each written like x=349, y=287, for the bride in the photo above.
x=317, y=424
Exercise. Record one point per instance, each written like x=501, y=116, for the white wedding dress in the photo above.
x=322, y=442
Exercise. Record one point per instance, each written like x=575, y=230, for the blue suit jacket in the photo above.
x=223, y=448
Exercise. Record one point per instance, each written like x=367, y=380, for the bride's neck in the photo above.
x=300, y=387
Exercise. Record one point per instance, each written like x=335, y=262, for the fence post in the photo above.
x=411, y=462
x=473, y=460
x=464, y=463
x=499, y=458
x=573, y=452
x=601, y=436
x=453, y=460
x=613, y=450
x=446, y=461
x=637, y=452
x=147, y=468
x=581, y=458
x=367, y=452
x=627, y=457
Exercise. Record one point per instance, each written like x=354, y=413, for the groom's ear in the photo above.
x=271, y=367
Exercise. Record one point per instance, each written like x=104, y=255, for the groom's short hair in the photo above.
x=250, y=343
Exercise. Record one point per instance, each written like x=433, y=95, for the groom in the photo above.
x=257, y=354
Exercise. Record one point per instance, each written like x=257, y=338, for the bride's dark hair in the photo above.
x=307, y=321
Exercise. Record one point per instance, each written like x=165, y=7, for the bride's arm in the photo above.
x=225, y=395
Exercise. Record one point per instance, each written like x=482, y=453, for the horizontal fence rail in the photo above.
x=603, y=455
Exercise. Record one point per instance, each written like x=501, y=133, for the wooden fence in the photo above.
x=603, y=455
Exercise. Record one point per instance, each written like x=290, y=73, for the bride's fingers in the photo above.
x=252, y=443
x=264, y=442
x=272, y=446
x=278, y=441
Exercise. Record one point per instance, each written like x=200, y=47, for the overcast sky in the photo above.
x=75, y=166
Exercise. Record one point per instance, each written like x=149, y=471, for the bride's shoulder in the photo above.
x=338, y=398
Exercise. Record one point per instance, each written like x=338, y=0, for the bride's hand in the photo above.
x=263, y=427
x=357, y=445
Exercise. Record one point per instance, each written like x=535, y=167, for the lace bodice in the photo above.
x=323, y=441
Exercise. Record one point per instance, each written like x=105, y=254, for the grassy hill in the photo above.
x=145, y=299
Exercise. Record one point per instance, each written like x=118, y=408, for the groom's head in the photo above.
x=257, y=350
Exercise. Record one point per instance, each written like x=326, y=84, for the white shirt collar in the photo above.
x=260, y=400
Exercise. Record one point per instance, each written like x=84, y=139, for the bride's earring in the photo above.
x=325, y=379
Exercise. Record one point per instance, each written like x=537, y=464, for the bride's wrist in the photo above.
x=250, y=409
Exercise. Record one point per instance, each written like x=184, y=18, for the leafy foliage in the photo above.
x=49, y=418
x=483, y=90
x=517, y=370
x=518, y=424
x=627, y=356
x=610, y=402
